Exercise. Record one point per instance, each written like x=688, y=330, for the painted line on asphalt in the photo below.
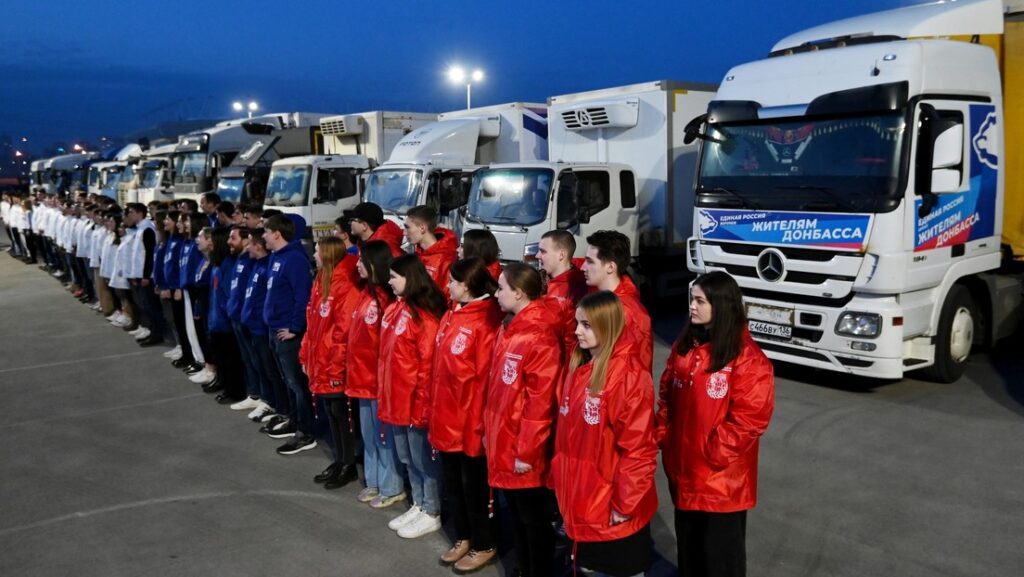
x=61, y=363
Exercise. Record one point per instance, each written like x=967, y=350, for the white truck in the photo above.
x=200, y=156
x=855, y=185
x=61, y=173
x=105, y=175
x=617, y=161
x=153, y=175
x=320, y=187
x=433, y=165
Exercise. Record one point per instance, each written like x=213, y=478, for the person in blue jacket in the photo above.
x=238, y=243
x=288, y=286
x=199, y=290
x=272, y=389
x=223, y=344
x=188, y=263
x=171, y=278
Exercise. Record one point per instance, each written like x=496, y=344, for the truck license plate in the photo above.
x=770, y=314
x=770, y=329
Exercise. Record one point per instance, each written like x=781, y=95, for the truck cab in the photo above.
x=154, y=173
x=852, y=184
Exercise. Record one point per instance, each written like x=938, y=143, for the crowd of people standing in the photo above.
x=457, y=383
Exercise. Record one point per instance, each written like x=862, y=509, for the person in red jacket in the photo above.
x=407, y=340
x=554, y=254
x=369, y=224
x=462, y=359
x=519, y=413
x=481, y=243
x=381, y=469
x=436, y=246
x=716, y=398
x=323, y=353
x=605, y=454
x=605, y=269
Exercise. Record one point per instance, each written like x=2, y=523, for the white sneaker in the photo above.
x=202, y=377
x=400, y=521
x=262, y=410
x=123, y=320
x=246, y=403
x=143, y=334
x=421, y=525
x=173, y=354
x=136, y=331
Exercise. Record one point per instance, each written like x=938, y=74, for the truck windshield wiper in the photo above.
x=834, y=198
x=744, y=201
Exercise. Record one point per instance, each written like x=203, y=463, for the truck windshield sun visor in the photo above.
x=878, y=98
x=725, y=111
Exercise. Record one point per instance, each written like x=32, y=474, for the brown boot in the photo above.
x=474, y=560
x=458, y=551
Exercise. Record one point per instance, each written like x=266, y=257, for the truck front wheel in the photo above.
x=955, y=337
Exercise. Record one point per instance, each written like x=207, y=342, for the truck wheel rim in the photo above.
x=962, y=335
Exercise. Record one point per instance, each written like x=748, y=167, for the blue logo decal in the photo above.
x=984, y=142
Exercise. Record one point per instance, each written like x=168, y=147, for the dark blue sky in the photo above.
x=79, y=70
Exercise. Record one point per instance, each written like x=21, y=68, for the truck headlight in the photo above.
x=530, y=252
x=859, y=324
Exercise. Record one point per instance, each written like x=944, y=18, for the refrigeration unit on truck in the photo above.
x=856, y=186
x=320, y=187
x=433, y=165
x=617, y=162
x=201, y=156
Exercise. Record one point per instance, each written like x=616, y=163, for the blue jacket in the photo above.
x=255, y=296
x=218, y=321
x=158, y=266
x=289, y=281
x=190, y=257
x=171, y=265
x=236, y=289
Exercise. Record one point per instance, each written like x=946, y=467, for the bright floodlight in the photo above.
x=237, y=106
x=253, y=107
x=478, y=75
x=456, y=74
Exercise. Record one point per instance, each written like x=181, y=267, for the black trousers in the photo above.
x=343, y=416
x=533, y=535
x=226, y=357
x=469, y=497
x=711, y=544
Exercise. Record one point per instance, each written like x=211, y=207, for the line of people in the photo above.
x=452, y=379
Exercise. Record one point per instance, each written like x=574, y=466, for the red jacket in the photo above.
x=390, y=233
x=570, y=285
x=323, y=346
x=605, y=454
x=495, y=269
x=638, y=322
x=708, y=426
x=520, y=407
x=462, y=360
x=364, y=344
x=438, y=259
x=406, y=354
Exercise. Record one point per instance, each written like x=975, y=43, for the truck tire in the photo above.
x=957, y=324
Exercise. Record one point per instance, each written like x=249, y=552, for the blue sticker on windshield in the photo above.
x=814, y=229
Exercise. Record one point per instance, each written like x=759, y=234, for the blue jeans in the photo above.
x=415, y=452
x=381, y=467
x=250, y=360
x=286, y=355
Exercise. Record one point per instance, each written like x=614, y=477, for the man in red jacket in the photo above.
x=605, y=270
x=554, y=255
x=368, y=223
x=437, y=247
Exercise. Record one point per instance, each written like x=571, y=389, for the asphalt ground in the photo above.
x=113, y=463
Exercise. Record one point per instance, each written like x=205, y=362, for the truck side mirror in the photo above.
x=692, y=130
x=935, y=152
x=947, y=160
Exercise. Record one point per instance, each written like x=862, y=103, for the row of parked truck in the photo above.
x=854, y=181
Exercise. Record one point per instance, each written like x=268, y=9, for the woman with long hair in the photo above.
x=480, y=243
x=520, y=411
x=189, y=226
x=605, y=454
x=171, y=272
x=108, y=265
x=465, y=341
x=199, y=289
x=408, y=330
x=322, y=355
x=227, y=357
x=716, y=398
x=381, y=469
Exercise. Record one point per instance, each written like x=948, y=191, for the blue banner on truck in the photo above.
x=813, y=229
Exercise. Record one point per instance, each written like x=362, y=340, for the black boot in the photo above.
x=327, y=474
x=345, y=475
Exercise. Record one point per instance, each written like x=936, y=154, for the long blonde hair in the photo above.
x=332, y=250
x=608, y=320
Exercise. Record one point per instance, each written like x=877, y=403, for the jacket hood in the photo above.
x=300, y=226
x=389, y=233
x=446, y=243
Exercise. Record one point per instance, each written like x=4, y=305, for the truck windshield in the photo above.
x=94, y=177
x=190, y=166
x=395, y=190
x=112, y=179
x=151, y=177
x=129, y=174
x=288, y=186
x=846, y=164
x=510, y=196
x=230, y=189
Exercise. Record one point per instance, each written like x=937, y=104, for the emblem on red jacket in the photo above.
x=459, y=344
x=718, y=384
x=325, y=309
x=510, y=372
x=370, y=317
x=403, y=323
x=592, y=410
